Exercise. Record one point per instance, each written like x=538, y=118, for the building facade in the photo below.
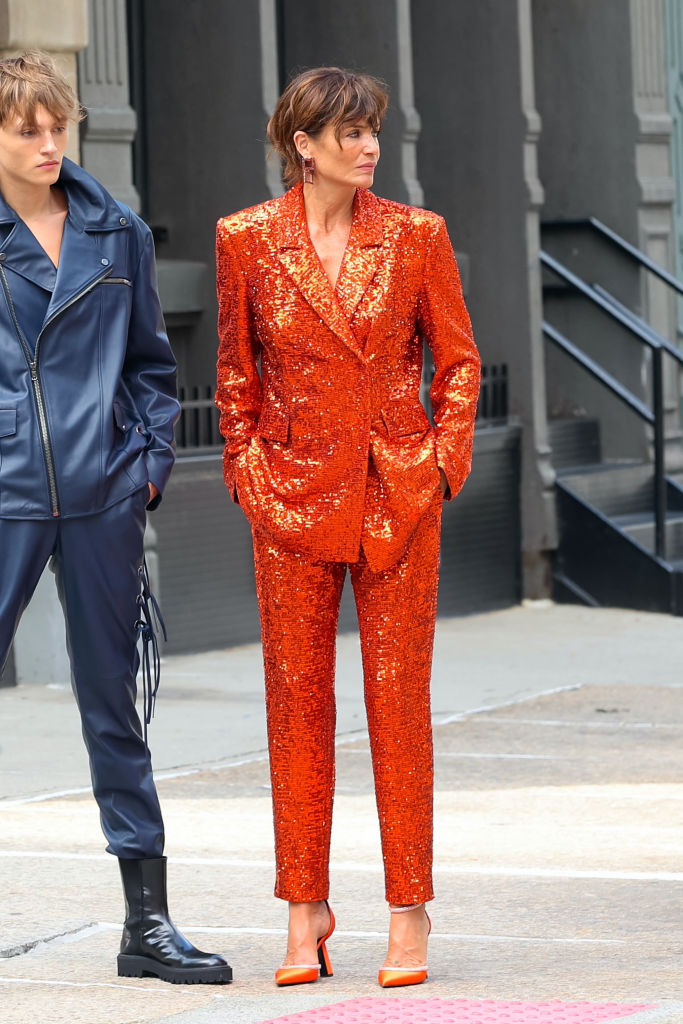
x=504, y=114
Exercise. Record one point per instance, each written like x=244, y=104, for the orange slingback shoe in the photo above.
x=392, y=977
x=302, y=974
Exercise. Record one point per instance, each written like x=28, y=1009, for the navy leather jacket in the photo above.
x=87, y=376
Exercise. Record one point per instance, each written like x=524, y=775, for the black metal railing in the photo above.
x=639, y=329
x=598, y=228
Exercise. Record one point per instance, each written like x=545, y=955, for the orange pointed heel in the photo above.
x=392, y=977
x=303, y=974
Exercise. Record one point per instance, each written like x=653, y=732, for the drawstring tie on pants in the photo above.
x=147, y=626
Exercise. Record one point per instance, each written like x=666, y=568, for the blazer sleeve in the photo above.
x=445, y=323
x=239, y=392
x=149, y=368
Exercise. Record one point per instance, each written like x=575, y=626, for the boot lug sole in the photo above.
x=144, y=966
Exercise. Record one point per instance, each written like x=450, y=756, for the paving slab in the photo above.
x=559, y=831
x=210, y=707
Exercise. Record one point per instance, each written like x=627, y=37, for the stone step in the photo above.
x=641, y=528
x=575, y=441
x=616, y=488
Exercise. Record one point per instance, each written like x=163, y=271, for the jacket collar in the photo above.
x=91, y=208
x=361, y=259
x=81, y=263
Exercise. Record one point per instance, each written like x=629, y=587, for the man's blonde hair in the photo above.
x=34, y=80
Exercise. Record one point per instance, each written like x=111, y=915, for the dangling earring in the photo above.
x=308, y=167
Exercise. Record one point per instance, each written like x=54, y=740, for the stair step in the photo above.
x=615, y=489
x=641, y=528
x=575, y=441
x=634, y=519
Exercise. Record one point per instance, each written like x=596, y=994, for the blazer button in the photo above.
x=123, y=222
x=104, y=262
x=3, y=256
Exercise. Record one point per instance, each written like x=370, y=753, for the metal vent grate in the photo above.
x=197, y=429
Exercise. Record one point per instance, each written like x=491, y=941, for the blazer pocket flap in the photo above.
x=273, y=424
x=8, y=422
x=401, y=420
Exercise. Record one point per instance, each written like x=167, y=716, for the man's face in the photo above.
x=31, y=154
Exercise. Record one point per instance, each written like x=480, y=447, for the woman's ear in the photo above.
x=301, y=142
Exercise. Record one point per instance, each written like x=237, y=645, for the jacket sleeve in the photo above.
x=149, y=368
x=239, y=392
x=445, y=323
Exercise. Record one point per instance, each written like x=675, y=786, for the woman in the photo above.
x=87, y=408
x=334, y=461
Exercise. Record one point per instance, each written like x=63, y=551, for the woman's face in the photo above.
x=31, y=154
x=349, y=160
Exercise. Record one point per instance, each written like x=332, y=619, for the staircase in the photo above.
x=607, y=550
x=620, y=522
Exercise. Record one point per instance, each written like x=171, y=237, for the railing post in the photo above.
x=660, y=479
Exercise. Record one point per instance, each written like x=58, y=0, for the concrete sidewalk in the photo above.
x=558, y=846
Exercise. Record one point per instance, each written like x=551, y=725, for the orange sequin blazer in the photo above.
x=327, y=446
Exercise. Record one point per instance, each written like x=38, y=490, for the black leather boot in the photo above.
x=151, y=944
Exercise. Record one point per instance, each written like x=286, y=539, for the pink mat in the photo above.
x=398, y=1010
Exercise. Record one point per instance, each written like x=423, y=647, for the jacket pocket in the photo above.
x=119, y=418
x=130, y=434
x=8, y=422
x=273, y=424
x=123, y=421
x=402, y=421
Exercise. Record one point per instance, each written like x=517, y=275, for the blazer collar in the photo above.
x=296, y=253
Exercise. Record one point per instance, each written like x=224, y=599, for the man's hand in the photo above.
x=153, y=491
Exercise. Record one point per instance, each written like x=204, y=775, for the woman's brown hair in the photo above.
x=33, y=80
x=321, y=97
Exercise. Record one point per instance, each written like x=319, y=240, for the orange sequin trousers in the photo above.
x=299, y=605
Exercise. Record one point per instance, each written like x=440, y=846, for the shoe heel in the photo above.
x=131, y=966
x=323, y=956
x=324, y=961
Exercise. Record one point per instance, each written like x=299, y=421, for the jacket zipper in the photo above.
x=36, y=384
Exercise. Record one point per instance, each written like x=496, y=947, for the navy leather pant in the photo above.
x=96, y=561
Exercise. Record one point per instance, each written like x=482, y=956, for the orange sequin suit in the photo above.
x=332, y=457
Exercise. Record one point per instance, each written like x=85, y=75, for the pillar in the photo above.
x=109, y=130
x=474, y=89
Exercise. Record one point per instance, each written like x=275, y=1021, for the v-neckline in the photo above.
x=42, y=247
x=333, y=286
x=354, y=218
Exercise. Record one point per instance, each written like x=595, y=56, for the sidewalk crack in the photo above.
x=27, y=947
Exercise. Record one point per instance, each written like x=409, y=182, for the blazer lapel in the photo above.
x=363, y=253
x=300, y=260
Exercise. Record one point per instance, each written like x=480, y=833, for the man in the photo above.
x=87, y=409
